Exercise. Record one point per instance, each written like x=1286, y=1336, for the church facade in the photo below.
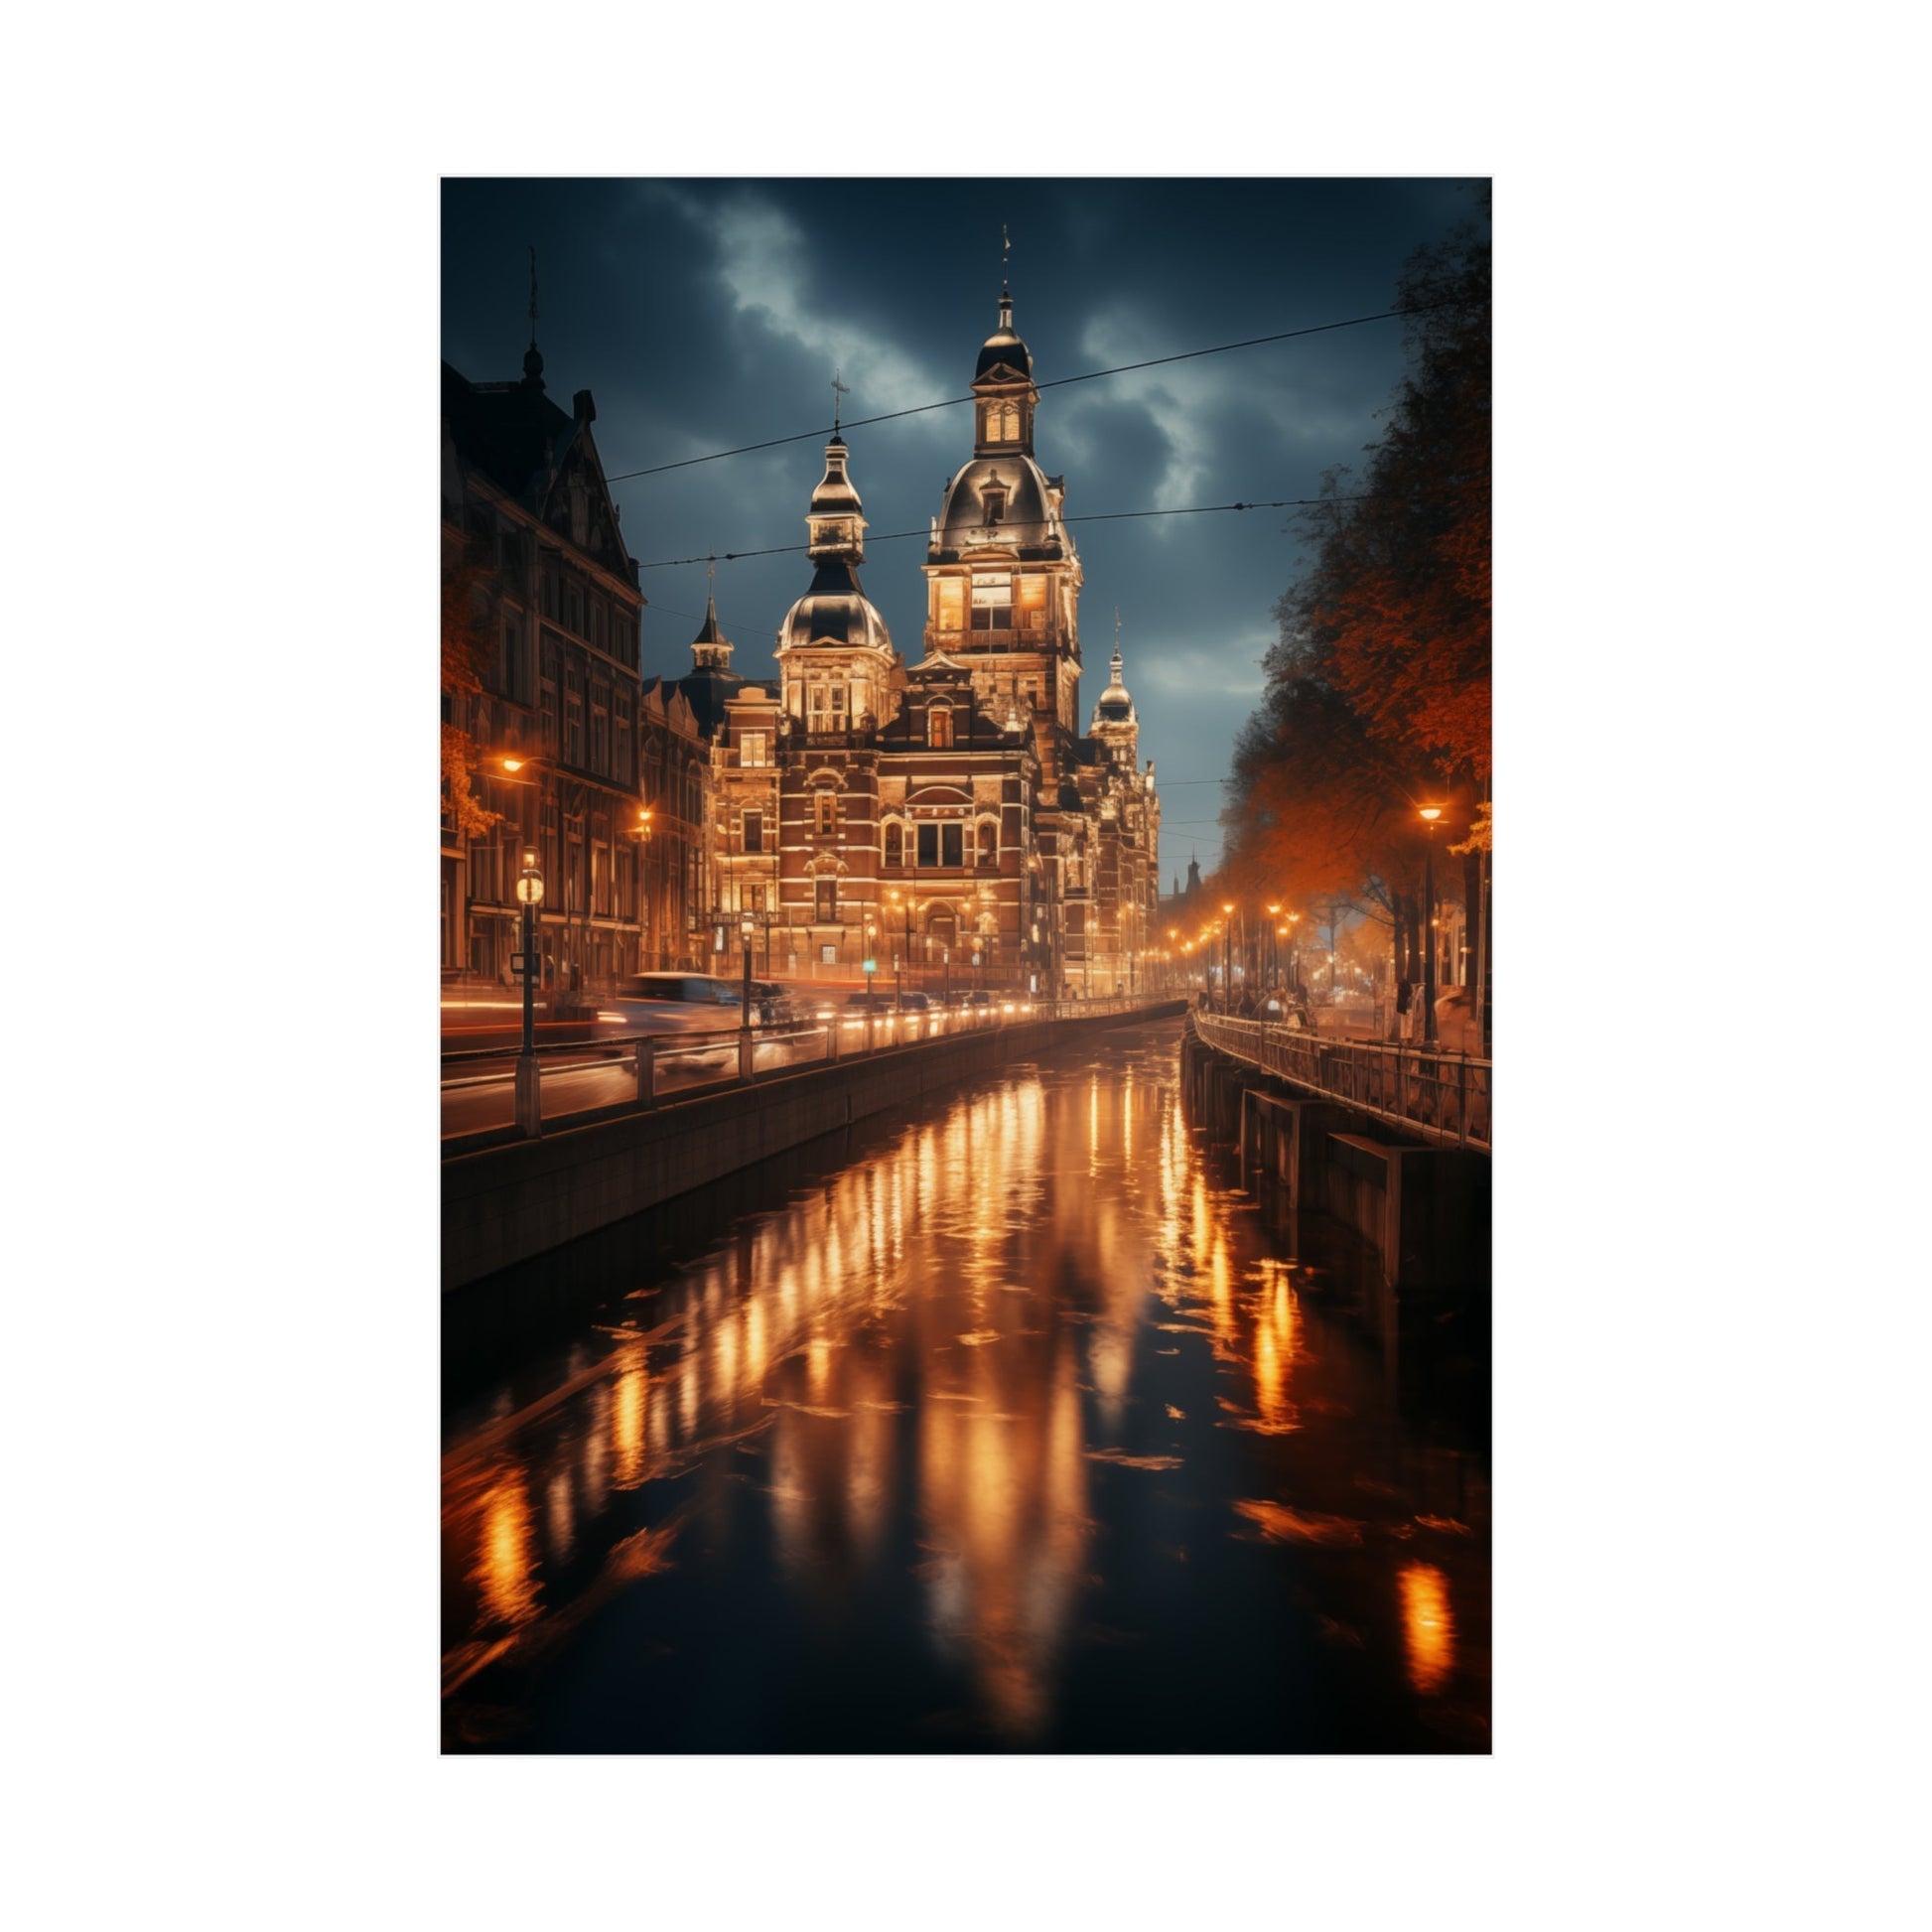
x=945, y=819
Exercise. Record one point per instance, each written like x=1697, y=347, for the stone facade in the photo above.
x=600, y=770
x=948, y=822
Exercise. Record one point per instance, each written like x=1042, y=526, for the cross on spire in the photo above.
x=839, y=394
x=533, y=295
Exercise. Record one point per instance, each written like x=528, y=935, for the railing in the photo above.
x=1444, y=1097
x=617, y=1072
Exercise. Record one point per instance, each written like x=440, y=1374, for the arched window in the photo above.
x=825, y=805
x=894, y=843
x=989, y=843
x=938, y=726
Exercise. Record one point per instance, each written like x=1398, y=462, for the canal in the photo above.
x=1028, y=1430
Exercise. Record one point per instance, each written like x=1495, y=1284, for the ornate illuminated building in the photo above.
x=949, y=816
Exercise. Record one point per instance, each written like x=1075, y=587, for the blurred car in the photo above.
x=914, y=1003
x=775, y=1006
x=980, y=999
x=671, y=1003
x=870, y=1002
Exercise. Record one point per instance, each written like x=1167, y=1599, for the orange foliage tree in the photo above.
x=1378, y=688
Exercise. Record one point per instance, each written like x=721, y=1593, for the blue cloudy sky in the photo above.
x=707, y=314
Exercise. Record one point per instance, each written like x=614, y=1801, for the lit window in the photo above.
x=827, y=807
x=1032, y=603
x=938, y=726
x=751, y=748
x=950, y=611
x=991, y=600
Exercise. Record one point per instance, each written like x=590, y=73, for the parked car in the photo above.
x=875, y=1002
x=914, y=1003
x=977, y=999
x=671, y=1003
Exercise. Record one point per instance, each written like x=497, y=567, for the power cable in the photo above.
x=1059, y=382
x=1096, y=516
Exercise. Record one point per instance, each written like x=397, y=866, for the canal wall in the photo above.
x=1423, y=1209
x=505, y=1206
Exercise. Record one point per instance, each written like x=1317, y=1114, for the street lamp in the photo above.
x=1430, y=815
x=748, y=928
x=1227, y=959
x=529, y=894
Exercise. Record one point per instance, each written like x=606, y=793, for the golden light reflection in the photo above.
x=1274, y=1352
x=1428, y=1626
x=627, y=1419
x=506, y=1571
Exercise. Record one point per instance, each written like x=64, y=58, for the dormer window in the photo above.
x=938, y=728
x=993, y=499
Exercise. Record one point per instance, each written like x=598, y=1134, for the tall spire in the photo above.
x=1006, y=291
x=532, y=360
x=710, y=648
x=839, y=394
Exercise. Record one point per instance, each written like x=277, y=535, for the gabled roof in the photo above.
x=512, y=434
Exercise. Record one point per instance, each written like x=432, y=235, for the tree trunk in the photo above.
x=1465, y=967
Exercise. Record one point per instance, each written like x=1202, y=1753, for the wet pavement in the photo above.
x=1028, y=1430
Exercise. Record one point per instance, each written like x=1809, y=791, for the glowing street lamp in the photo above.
x=1430, y=815
x=529, y=894
x=1227, y=961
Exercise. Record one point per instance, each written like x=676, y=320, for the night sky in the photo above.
x=707, y=314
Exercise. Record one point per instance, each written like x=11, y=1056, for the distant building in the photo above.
x=948, y=819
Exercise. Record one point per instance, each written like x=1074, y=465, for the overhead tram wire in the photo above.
x=1096, y=516
x=1059, y=382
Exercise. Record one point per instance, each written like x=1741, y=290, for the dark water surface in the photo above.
x=1028, y=1431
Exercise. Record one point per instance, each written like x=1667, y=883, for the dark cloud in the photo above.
x=704, y=313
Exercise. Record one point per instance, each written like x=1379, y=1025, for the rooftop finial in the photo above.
x=1006, y=292
x=839, y=394
x=532, y=360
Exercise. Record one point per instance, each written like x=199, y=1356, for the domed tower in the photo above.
x=1003, y=579
x=1116, y=724
x=835, y=655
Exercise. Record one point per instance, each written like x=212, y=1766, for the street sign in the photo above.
x=872, y=965
x=522, y=964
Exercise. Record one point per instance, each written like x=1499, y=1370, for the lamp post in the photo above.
x=1227, y=961
x=529, y=1101
x=1430, y=815
x=748, y=929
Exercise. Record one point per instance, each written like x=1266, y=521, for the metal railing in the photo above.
x=1444, y=1097
x=630, y=1070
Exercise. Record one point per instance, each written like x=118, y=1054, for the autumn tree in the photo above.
x=1378, y=687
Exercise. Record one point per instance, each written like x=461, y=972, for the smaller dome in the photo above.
x=1004, y=348
x=835, y=495
x=835, y=610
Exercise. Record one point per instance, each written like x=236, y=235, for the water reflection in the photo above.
x=1428, y=1628
x=1025, y=1401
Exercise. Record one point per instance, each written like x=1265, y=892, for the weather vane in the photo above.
x=839, y=393
x=533, y=295
x=1006, y=250
x=711, y=572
